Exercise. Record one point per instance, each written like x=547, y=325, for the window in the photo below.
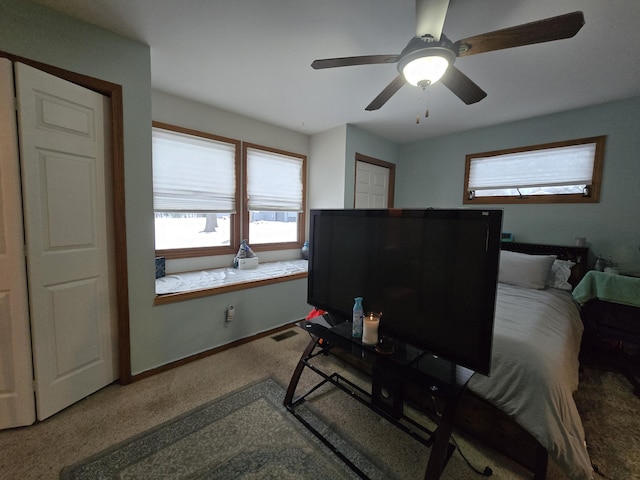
x=195, y=192
x=206, y=199
x=275, y=198
x=562, y=172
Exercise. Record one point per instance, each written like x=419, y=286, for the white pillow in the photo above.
x=524, y=270
x=559, y=275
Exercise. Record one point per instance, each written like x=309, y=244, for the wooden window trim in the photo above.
x=234, y=243
x=596, y=186
x=264, y=247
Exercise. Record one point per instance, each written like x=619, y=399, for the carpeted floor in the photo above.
x=611, y=419
x=244, y=435
x=117, y=413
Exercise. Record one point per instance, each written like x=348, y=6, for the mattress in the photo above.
x=534, y=371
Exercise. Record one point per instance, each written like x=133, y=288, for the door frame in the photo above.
x=116, y=164
x=380, y=163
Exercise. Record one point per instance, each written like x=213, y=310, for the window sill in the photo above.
x=185, y=286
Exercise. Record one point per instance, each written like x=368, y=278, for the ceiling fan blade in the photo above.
x=430, y=16
x=387, y=93
x=547, y=30
x=349, y=61
x=462, y=86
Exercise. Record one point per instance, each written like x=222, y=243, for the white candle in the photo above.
x=370, y=328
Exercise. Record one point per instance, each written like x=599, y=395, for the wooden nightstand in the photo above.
x=611, y=316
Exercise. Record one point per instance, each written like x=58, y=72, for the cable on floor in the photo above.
x=597, y=470
x=487, y=472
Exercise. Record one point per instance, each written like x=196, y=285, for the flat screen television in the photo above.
x=432, y=273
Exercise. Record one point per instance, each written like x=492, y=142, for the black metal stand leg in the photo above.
x=439, y=440
x=440, y=451
x=295, y=378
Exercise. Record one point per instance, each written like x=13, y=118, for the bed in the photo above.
x=537, y=336
x=526, y=407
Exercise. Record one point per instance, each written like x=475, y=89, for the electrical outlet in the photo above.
x=230, y=312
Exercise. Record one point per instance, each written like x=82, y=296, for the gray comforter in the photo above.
x=534, y=371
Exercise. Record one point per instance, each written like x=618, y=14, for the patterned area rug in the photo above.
x=247, y=434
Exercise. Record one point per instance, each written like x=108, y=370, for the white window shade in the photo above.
x=192, y=174
x=274, y=181
x=561, y=166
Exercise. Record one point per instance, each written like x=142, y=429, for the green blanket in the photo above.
x=608, y=287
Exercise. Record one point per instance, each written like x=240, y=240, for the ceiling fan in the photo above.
x=429, y=56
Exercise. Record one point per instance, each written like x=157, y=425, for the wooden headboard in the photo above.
x=578, y=255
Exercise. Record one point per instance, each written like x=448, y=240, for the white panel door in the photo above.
x=66, y=212
x=372, y=186
x=17, y=404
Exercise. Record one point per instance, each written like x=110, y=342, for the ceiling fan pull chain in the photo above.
x=426, y=113
x=419, y=102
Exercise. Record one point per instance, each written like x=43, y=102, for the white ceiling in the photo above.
x=253, y=57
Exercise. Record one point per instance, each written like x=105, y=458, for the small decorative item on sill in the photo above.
x=305, y=251
x=245, y=258
x=245, y=250
x=160, y=267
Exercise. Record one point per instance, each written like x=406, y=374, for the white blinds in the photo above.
x=570, y=165
x=274, y=181
x=192, y=174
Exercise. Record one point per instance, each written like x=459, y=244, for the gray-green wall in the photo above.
x=161, y=334
x=365, y=143
x=38, y=33
x=428, y=174
x=326, y=182
x=189, y=327
x=431, y=174
x=332, y=163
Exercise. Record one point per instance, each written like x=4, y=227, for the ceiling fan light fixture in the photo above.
x=434, y=53
x=425, y=66
x=425, y=71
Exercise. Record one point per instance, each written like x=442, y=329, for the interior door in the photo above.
x=64, y=142
x=372, y=186
x=17, y=404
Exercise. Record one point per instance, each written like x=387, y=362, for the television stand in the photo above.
x=439, y=379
